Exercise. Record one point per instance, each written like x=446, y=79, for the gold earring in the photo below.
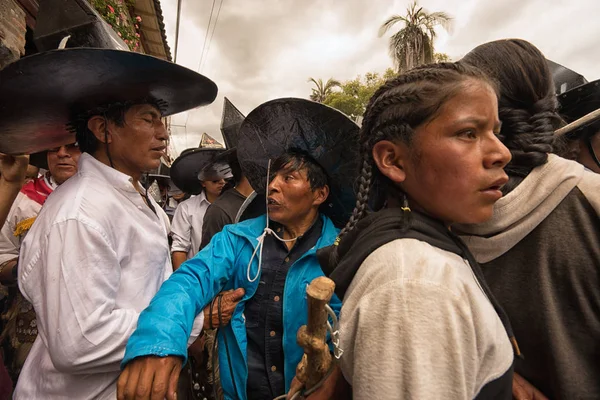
x=405, y=206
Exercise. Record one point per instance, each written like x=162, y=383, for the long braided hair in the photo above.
x=393, y=113
x=527, y=105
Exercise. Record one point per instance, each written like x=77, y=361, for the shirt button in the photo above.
x=276, y=298
x=272, y=333
x=273, y=368
x=287, y=259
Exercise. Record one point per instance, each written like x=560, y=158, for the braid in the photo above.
x=529, y=135
x=395, y=109
x=362, y=197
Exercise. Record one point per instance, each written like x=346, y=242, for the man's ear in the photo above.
x=98, y=126
x=320, y=195
x=390, y=159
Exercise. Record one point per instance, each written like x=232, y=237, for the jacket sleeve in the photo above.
x=181, y=230
x=165, y=325
x=86, y=333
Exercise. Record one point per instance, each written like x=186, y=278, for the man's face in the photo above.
x=291, y=198
x=137, y=146
x=62, y=162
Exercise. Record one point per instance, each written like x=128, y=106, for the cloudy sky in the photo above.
x=265, y=49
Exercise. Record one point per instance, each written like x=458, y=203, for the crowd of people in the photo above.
x=460, y=227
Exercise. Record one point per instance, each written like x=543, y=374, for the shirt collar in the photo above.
x=89, y=165
x=202, y=197
x=49, y=179
x=317, y=224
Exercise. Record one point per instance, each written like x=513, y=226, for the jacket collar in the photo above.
x=253, y=228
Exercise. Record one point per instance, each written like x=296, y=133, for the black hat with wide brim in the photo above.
x=579, y=102
x=42, y=93
x=185, y=169
x=564, y=78
x=328, y=136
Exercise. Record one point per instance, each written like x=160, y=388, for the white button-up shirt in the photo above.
x=91, y=263
x=186, y=229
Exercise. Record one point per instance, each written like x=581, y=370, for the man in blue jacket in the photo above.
x=272, y=257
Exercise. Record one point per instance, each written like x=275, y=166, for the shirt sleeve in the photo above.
x=165, y=325
x=86, y=333
x=215, y=220
x=414, y=341
x=181, y=229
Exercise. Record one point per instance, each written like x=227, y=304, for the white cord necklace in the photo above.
x=261, y=238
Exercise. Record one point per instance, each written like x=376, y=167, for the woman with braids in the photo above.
x=540, y=253
x=418, y=320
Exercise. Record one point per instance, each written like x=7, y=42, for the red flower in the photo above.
x=112, y=10
x=138, y=18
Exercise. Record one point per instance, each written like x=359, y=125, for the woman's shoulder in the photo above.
x=410, y=265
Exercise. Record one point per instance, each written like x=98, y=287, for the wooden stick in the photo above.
x=578, y=123
x=313, y=336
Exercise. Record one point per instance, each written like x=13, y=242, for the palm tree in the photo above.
x=413, y=44
x=323, y=90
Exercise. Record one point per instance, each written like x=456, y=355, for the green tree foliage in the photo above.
x=322, y=90
x=352, y=96
x=412, y=45
x=441, y=57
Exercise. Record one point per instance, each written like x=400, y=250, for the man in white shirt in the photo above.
x=194, y=172
x=98, y=251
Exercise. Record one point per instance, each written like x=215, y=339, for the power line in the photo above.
x=206, y=35
x=212, y=34
x=200, y=62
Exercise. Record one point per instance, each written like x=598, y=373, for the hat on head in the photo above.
x=564, y=78
x=328, y=136
x=41, y=94
x=231, y=120
x=195, y=165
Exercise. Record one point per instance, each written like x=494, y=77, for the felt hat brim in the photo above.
x=42, y=93
x=185, y=169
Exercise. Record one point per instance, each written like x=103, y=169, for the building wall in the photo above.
x=12, y=32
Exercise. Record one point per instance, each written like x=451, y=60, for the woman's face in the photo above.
x=454, y=165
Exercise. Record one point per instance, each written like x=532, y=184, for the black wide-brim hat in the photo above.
x=42, y=93
x=325, y=134
x=186, y=167
x=580, y=101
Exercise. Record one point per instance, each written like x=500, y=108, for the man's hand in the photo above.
x=150, y=378
x=333, y=388
x=523, y=390
x=230, y=300
x=13, y=168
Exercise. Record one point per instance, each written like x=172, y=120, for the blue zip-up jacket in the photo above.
x=165, y=326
